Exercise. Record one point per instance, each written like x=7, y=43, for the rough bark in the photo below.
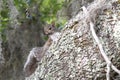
x=2, y=60
x=76, y=55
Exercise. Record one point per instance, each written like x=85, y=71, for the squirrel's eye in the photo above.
x=50, y=28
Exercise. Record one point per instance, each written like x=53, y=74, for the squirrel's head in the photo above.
x=49, y=29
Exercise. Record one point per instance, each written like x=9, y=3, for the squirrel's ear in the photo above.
x=53, y=23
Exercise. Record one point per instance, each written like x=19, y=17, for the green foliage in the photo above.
x=20, y=4
x=46, y=8
x=49, y=9
x=4, y=24
x=4, y=19
x=4, y=16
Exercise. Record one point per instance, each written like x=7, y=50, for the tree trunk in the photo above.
x=76, y=55
x=2, y=61
x=21, y=36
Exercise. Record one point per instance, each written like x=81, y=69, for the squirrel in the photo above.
x=37, y=53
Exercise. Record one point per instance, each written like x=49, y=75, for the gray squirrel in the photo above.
x=37, y=53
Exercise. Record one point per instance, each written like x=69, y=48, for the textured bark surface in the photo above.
x=2, y=60
x=76, y=55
